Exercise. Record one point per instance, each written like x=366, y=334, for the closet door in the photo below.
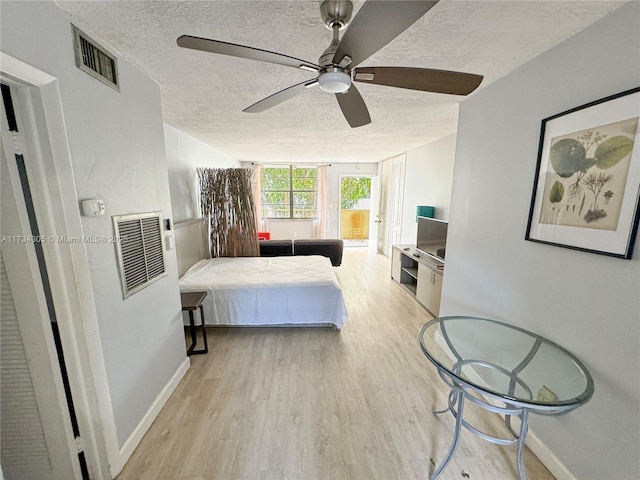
x=396, y=197
x=37, y=438
x=24, y=447
x=384, y=171
x=391, y=195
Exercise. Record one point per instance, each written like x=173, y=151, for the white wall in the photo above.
x=428, y=181
x=588, y=303
x=117, y=148
x=184, y=155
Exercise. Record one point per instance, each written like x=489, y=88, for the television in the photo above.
x=432, y=237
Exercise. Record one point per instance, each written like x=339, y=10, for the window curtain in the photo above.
x=227, y=202
x=320, y=219
x=256, y=185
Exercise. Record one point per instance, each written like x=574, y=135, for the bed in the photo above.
x=290, y=290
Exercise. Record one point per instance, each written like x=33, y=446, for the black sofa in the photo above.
x=275, y=248
x=327, y=247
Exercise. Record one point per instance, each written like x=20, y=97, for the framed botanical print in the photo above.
x=587, y=184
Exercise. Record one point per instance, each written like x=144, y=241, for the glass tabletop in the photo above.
x=506, y=361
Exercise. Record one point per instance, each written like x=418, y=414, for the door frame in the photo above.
x=33, y=318
x=383, y=204
x=374, y=226
x=392, y=173
x=339, y=209
x=56, y=207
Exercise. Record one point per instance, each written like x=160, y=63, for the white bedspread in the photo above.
x=268, y=290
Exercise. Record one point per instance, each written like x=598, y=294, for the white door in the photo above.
x=383, y=231
x=396, y=196
x=374, y=225
x=37, y=432
x=391, y=196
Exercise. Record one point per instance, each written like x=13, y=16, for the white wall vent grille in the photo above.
x=139, y=250
x=94, y=59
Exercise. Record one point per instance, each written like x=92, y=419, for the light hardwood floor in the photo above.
x=317, y=403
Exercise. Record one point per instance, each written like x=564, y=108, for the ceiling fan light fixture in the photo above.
x=377, y=23
x=334, y=81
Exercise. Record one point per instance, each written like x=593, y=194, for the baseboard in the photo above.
x=547, y=457
x=136, y=436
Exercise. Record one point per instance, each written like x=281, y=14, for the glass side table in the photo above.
x=504, y=369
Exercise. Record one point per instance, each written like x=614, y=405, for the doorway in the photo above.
x=355, y=210
x=38, y=412
x=41, y=285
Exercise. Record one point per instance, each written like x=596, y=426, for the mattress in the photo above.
x=268, y=291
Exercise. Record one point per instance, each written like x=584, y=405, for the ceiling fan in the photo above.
x=375, y=25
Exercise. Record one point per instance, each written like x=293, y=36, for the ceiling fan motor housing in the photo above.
x=336, y=12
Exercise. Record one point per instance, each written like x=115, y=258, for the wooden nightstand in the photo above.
x=192, y=301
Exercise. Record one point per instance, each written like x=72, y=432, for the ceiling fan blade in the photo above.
x=376, y=24
x=425, y=79
x=234, y=50
x=281, y=96
x=353, y=107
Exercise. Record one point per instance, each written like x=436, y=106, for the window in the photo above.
x=289, y=192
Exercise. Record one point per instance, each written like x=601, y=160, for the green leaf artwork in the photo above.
x=611, y=151
x=567, y=157
x=557, y=192
x=586, y=189
x=581, y=165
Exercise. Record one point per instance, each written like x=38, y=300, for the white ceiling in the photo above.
x=203, y=94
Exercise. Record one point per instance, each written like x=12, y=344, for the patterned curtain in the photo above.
x=226, y=201
x=320, y=219
x=256, y=185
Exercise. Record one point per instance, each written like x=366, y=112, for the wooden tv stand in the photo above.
x=419, y=274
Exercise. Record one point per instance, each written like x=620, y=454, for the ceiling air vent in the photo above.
x=94, y=59
x=139, y=250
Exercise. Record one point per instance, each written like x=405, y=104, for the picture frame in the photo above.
x=586, y=190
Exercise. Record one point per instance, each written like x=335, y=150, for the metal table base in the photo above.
x=467, y=353
x=192, y=301
x=456, y=401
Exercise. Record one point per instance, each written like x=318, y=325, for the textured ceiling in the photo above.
x=203, y=94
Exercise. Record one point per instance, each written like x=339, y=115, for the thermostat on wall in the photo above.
x=93, y=207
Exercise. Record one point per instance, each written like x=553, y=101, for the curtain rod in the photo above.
x=290, y=163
